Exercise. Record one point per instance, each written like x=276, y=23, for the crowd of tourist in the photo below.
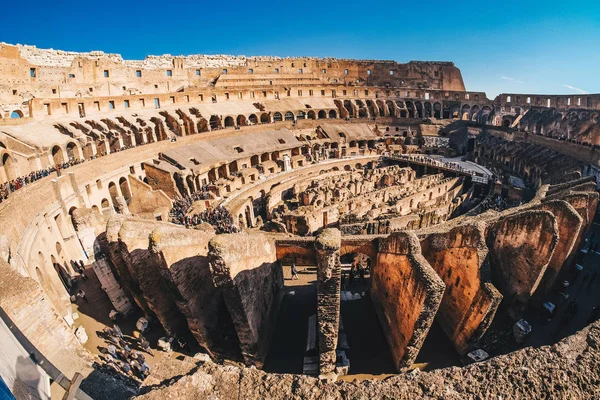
x=218, y=217
x=12, y=186
x=7, y=188
x=120, y=358
x=497, y=203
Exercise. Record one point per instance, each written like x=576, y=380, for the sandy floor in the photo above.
x=93, y=316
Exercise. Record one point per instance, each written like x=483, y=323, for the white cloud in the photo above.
x=576, y=89
x=508, y=78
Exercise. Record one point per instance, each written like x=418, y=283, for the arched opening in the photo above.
x=277, y=117
x=437, y=110
x=485, y=114
x=124, y=185
x=322, y=114
x=254, y=161
x=464, y=112
x=427, y=113
x=57, y=155
x=253, y=119
x=381, y=108
x=16, y=114
x=95, y=208
x=105, y=204
x=474, y=112
x=332, y=114
x=312, y=114
x=60, y=271
x=9, y=166
x=47, y=286
x=289, y=116
x=222, y=171
x=419, y=109
x=114, y=192
x=264, y=118
x=241, y=120
x=72, y=151
x=348, y=106
x=215, y=122
x=391, y=108
x=411, y=109
x=229, y=122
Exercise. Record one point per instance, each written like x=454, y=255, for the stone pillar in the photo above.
x=121, y=205
x=327, y=247
x=287, y=163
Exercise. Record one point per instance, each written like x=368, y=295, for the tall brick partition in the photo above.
x=521, y=246
x=328, y=245
x=245, y=268
x=470, y=300
x=406, y=293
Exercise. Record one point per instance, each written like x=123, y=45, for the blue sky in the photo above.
x=509, y=46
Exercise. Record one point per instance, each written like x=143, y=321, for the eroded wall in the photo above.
x=406, y=293
x=470, y=300
x=521, y=246
x=246, y=269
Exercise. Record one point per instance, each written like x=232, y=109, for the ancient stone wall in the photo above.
x=406, y=293
x=521, y=246
x=327, y=247
x=245, y=268
x=458, y=256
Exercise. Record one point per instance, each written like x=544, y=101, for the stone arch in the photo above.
x=57, y=155
x=322, y=114
x=114, y=192
x=253, y=119
x=9, y=166
x=427, y=110
x=241, y=120
x=465, y=111
x=73, y=152
x=277, y=117
x=332, y=114
x=105, y=205
x=215, y=122
x=124, y=186
x=229, y=122
x=16, y=114
x=411, y=109
x=437, y=110
x=474, y=112
x=264, y=118
x=312, y=114
x=289, y=116
x=49, y=288
x=419, y=108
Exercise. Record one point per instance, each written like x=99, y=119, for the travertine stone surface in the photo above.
x=327, y=246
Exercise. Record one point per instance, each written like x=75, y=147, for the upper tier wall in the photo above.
x=28, y=72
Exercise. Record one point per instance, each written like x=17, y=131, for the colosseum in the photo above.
x=223, y=227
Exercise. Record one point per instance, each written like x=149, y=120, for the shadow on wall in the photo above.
x=29, y=383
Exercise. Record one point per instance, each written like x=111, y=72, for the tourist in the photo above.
x=145, y=345
x=118, y=331
x=81, y=294
x=294, y=270
x=113, y=315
